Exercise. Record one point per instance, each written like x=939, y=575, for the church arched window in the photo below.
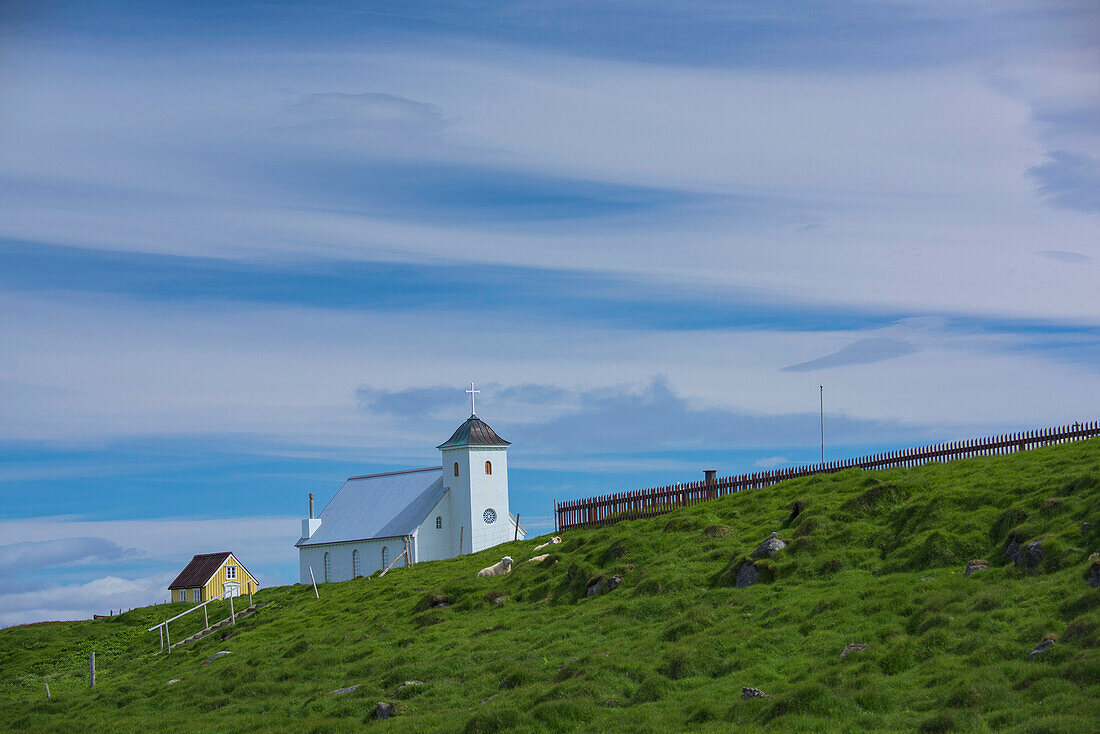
x=438, y=522
x=456, y=468
x=488, y=467
x=328, y=567
x=356, y=566
x=385, y=556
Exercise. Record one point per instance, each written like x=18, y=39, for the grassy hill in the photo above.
x=872, y=557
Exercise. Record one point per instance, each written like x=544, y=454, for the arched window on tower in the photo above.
x=328, y=568
x=488, y=467
x=456, y=468
x=438, y=522
x=356, y=566
x=385, y=556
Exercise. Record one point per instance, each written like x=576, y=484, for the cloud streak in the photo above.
x=861, y=351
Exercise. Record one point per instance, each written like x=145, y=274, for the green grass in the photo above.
x=671, y=648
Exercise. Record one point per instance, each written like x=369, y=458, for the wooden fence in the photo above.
x=641, y=503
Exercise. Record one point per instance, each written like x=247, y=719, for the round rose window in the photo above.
x=490, y=516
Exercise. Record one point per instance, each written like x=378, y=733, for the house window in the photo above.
x=438, y=522
x=196, y=595
x=328, y=568
x=456, y=468
x=356, y=569
x=488, y=467
x=230, y=573
x=385, y=557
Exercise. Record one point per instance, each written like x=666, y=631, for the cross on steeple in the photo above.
x=472, y=392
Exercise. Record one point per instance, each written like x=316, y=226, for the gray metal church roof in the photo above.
x=379, y=506
x=474, y=432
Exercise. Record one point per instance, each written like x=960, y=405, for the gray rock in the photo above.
x=490, y=698
x=746, y=575
x=1093, y=576
x=384, y=710
x=1014, y=552
x=601, y=585
x=853, y=647
x=1033, y=555
x=747, y=693
x=1040, y=649
x=499, y=600
x=931, y=578
x=215, y=656
x=769, y=547
x=342, y=691
x=174, y=680
x=976, y=565
x=408, y=684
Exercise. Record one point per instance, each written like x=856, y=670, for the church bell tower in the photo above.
x=475, y=467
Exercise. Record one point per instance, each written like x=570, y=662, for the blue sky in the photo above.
x=249, y=249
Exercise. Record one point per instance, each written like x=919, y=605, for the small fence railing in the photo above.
x=163, y=626
x=643, y=503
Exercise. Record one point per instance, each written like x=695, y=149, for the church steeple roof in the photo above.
x=474, y=432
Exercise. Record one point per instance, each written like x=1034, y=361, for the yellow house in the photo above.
x=210, y=574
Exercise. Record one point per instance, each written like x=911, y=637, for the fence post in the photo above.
x=232, y=614
x=517, y=528
x=91, y=669
x=205, y=618
x=314, y=580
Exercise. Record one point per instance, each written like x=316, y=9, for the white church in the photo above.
x=435, y=513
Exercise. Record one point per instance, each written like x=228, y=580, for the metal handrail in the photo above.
x=163, y=626
x=197, y=606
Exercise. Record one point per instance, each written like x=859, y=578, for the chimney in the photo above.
x=309, y=526
x=710, y=474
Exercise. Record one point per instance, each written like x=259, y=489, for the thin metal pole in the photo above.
x=314, y=580
x=517, y=528
x=91, y=669
x=232, y=614
x=821, y=397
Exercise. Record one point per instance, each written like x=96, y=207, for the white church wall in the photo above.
x=432, y=543
x=341, y=558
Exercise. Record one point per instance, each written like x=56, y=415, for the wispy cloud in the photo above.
x=861, y=351
x=30, y=557
x=771, y=462
x=1070, y=180
x=1064, y=256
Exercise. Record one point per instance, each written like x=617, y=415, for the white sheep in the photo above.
x=553, y=541
x=497, y=569
x=536, y=559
